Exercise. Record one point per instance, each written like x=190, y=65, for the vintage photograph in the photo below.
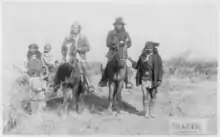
x=94, y=68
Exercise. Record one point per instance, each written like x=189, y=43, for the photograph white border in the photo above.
x=106, y=1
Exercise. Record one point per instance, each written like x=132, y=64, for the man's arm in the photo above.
x=150, y=61
x=128, y=41
x=109, y=39
x=86, y=45
x=160, y=78
x=134, y=64
x=64, y=48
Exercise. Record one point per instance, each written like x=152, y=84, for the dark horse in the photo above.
x=116, y=73
x=68, y=80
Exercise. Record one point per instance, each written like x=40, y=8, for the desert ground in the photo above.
x=177, y=98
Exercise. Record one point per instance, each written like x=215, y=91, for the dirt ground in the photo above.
x=176, y=99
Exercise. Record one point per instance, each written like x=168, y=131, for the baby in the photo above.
x=48, y=58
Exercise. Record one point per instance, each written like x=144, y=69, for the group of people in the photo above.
x=75, y=43
x=38, y=63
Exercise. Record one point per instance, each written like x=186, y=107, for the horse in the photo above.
x=116, y=73
x=68, y=81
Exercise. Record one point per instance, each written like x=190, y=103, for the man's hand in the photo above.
x=129, y=58
x=64, y=60
x=159, y=83
x=113, y=47
x=122, y=42
x=78, y=49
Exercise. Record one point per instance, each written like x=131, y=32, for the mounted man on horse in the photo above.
x=72, y=73
x=78, y=42
x=115, y=71
x=117, y=38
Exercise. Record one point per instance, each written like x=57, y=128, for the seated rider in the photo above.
x=34, y=61
x=115, y=37
x=79, y=42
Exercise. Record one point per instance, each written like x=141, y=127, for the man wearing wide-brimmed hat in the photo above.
x=118, y=36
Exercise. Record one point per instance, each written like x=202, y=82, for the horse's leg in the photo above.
x=64, y=107
x=80, y=95
x=115, y=93
x=120, y=78
x=119, y=90
x=77, y=96
x=111, y=90
x=81, y=100
x=77, y=103
x=145, y=100
x=109, y=93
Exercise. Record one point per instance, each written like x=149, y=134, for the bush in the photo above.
x=191, y=67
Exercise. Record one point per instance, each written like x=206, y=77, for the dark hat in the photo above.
x=119, y=21
x=156, y=44
x=35, y=46
x=149, y=45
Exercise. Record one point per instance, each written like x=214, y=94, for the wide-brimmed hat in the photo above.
x=156, y=44
x=150, y=45
x=119, y=21
x=33, y=46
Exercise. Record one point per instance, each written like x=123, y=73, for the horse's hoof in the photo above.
x=153, y=115
x=109, y=111
x=75, y=116
x=146, y=115
x=116, y=109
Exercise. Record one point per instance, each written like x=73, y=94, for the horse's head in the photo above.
x=117, y=59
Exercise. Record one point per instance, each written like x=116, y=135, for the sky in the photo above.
x=176, y=26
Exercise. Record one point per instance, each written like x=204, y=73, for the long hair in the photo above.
x=155, y=51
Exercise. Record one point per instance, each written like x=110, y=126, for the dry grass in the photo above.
x=172, y=99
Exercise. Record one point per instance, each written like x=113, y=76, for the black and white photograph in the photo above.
x=109, y=68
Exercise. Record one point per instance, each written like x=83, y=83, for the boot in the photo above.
x=103, y=81
x=129, y=85
x=90, y=86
